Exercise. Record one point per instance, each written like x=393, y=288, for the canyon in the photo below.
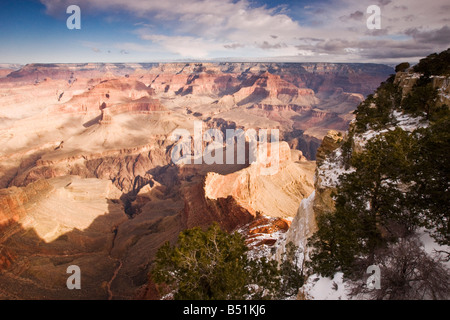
x=87, y=178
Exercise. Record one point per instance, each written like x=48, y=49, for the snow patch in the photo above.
x=442, y=94
x=263, y=250
x=399, y=120
x=323, y=288
x=331, y=169
x=407, y=122
x=415, y=76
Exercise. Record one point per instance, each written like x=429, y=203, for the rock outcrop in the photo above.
x=319, y=201
x=15, y=201
x=329, y=143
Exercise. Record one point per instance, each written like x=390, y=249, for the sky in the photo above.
x=35, y=31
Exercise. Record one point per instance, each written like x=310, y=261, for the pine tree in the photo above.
x=402, y=67
x=401, y=182
x=204, y=265
x=376, y=110
x=431, y=174
x=292, y=277
x=264, y=279
x=213, y=264
x=434, y=64
x=370, y=207
x=422, y=98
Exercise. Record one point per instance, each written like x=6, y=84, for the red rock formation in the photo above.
x=234, y=199
x=261, y=231
x=111, y=92
x=273, y=90
x=200, y=211
x=121, y=166
x=7, y=257
x=13, y=201
x=325, y=78
x=5, y=72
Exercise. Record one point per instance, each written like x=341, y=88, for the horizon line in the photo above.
x=194, y=61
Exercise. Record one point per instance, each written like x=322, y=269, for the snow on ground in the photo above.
x=443, y=94
x=407, y=122
x=399, y=119
x=321, y=288
x=331, y=168
x=362, y=138
x=415, y=75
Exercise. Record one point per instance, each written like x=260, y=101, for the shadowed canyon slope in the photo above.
x=86, y=170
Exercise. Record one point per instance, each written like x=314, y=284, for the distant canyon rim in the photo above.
x=86, y=170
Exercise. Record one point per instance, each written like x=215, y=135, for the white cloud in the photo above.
x=185, y=46
x=210, y=28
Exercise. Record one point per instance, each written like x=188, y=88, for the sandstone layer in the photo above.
x=87, y=175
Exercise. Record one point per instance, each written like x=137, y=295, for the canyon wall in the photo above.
x=87, y=175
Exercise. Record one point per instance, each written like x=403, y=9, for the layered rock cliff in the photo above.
x=88, y=178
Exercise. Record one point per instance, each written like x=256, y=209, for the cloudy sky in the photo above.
x=231, y=30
